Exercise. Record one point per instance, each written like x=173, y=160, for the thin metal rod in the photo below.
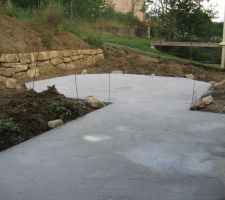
x=109, y=86
x=75, y=78
x=193, y=94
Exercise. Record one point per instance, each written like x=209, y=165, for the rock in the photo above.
x=9, y=58
x=212, y=82
x=90, y=60
x=208, y=100
x=53, y=54
x=21, y=87
x=153, y=60
x=26, y=58
x=20, y=75
x=31, y=73
x=153, y=75
x=56, y=61
x=74, y=58
x=68, y=53
x=98, y=51
x=93, y=102
x=45, y=67
x=33, y=65
x=43, y=56
x=71, y=66
x=99, y=57
x=11, y=83
x=2, y=79
x=189, y=76
x=219, y=84
x=8, y=72
x=197, y=105
x=117, y=72
x=55, y=123
x=8, y=65
x=21, y=67
x=62, y=67
x=84, y=71
x=67, y=60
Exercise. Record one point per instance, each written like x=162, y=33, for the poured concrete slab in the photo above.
x=146, y=145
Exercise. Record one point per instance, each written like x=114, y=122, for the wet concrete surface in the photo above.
x=145, y=145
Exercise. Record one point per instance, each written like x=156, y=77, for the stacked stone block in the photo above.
x=25, y=66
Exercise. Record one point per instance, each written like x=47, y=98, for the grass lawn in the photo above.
x=140, y=44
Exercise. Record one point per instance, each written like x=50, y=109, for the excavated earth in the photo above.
x=26, y=113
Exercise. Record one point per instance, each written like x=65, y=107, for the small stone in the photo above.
x=153, y=75
x=212, y=82
x=84, y=72
x=93, y=102
x=197, y=105
x=55, y=123
x=11, y=83
x=208, y=100
x=219, y=84
x=189, y=76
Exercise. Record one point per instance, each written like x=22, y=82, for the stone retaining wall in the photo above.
x=27, y=66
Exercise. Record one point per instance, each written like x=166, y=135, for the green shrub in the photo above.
x=94, y=40
x=63, y=108
x=8, y=126
x=69, y=26
x=141, y=29
x=52, y=16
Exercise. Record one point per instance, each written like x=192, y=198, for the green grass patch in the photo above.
x=139, y=44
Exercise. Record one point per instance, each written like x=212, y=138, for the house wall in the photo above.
x=125, y=6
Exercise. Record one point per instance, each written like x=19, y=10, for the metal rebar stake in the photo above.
x=75, y=78
x=193, y=93
x=109, y=86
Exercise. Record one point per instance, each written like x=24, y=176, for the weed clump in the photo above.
x=64, y=109
x=8, y=126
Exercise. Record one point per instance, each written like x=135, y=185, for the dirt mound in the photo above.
x=66, y=40
x=25, y=114
x=217, y=93
x=139, y=64
x=18, y=38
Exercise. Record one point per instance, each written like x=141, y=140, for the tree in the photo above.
x=180, y=17
x=88, y=9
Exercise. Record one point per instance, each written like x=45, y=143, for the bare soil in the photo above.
x=19, y=38
x=218, y=94
x=139, y=64
x=25, y=114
